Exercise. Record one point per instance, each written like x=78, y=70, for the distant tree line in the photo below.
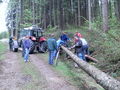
x=61, y=13
x=4, y=35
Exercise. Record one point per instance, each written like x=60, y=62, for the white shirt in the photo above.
x=84, y=42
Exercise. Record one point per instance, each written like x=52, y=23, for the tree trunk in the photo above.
x=105, y=15
x=79, y=21
x=103, y=79
x=72, y=6
x=54, y=13
x=61, y=25
x=33, y=12
x=89, y=14
x=50, y=15
x=21, y=12
x=44, y=17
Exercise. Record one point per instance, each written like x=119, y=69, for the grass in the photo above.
x=3, y=48
x=36, y=82
x=77, y=77
x=105, y=46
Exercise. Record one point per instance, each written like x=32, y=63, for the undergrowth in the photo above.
x=105, y=46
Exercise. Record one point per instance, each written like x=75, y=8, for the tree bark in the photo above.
x=50, y=15
x=54, y=13
x=89, y=14
x=79, y=20
x=105, y=15
x=106, y=81
x=33, y=12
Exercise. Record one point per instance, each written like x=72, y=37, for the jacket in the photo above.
x=27, y=43
x=52, y=45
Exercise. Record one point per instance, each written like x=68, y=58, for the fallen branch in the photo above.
x=91, y=58
x=106, y=81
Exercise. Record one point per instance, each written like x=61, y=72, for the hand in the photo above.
x=69, y=48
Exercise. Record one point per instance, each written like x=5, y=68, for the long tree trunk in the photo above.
x=44, y=17
x=89, y=14
x=103, y=79
x=21, y=12
x=79, y=20
x=54, y=13
x=33, y=12
x=72, y=6
x=50, y=15
x=105, y=14
x=61, y=23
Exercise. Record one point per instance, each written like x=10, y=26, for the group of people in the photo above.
x=26, y=44
x=80, y=46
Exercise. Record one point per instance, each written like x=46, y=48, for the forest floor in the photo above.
x=36, y=74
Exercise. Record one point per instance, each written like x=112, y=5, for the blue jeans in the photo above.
x=81, y=56
x=52, y=57
x=85, y=49
x=23, y=51
x=26, y=54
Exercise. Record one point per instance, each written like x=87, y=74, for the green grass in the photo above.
x=77, y=77
x=37, y=82
x=106, y=46
x=3, y=48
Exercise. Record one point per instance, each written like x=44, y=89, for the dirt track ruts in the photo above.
x=55, y=81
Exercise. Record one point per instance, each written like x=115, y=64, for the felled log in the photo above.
x=106, y=81
x=91, y=58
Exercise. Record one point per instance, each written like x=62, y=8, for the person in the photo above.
x=26, y=45
x=23, y=49
x=64, y=37
x=78, y=48
x=52, y=48
x=15, y=43
x=85, y=46
x=10, y=43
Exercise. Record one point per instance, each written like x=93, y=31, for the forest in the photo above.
x=97, y=20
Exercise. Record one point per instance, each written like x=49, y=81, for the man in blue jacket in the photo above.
x=64, y=37
x=26, y=45
x=52, y=47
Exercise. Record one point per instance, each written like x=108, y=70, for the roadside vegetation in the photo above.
x=3, y=49
x=104, y=46
x=74, y=76
x=3, y=35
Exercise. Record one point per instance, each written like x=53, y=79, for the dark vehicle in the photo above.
x=38, y=42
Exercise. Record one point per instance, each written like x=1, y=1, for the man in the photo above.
x=52, y=48
x=84, y=44
x=84, y=47
x=26, y=45
x=78, y=49
x=23, y=49
x=10, y=43
x=64, y=37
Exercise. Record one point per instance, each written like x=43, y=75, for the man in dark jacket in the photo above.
x=64, y=37
x=10, y=43
x=52, y=47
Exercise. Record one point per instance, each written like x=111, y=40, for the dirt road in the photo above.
x=34, y=75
